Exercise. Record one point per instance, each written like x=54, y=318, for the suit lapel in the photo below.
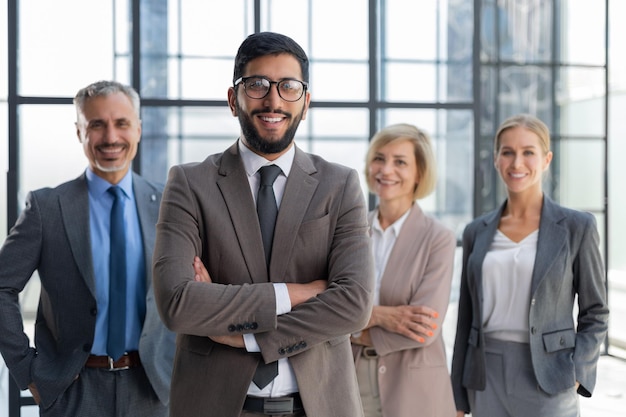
x=74, y=207
x=147, y=202
x=405, y=248
x=299, y=190
x=235, y=190
x=552, y=237
x=482, y=243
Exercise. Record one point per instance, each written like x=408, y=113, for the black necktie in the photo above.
x=266, y=207
x=116, y=341
x=267, y=210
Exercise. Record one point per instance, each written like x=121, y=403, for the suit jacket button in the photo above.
x=240, y=327
x=533, y=330
x=94, y=311
x=254, y=325
x=231, y=328
x=282, y=351
x=562, y=341
x=247, y=326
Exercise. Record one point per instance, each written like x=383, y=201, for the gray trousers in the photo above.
x=102, y=393
x=512, y=389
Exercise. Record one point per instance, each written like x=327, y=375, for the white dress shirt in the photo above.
x=383, y=242
x=285, y=383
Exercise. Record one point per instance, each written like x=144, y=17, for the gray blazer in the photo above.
x=52, y=237
x=321, y=233
x=568, y=264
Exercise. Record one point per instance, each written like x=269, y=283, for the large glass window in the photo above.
x=188, y=47
x=398, y=61
x=4, y=167
x=66, y=44
x=4, y=127
x=617, y=171
x=408, y=72
x=425, y=55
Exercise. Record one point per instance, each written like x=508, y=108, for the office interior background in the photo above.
x=455, y=68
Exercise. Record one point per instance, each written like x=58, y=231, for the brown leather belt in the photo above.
x=129, y=360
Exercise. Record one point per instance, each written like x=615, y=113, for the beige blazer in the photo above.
x=321, y=232
x=413, y=377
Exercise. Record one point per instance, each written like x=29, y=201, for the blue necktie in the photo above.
x=267, y=211
x=116, y=341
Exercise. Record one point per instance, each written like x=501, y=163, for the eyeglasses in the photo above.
x=289, y=89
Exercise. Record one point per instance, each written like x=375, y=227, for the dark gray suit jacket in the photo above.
x=321, y=233
x=568, y=263
x=52, y=237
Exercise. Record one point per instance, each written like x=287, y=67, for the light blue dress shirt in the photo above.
x=100, y=203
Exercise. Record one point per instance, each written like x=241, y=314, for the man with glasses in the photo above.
x=263, y=328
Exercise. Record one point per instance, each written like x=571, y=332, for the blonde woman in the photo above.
x=400, y=355
x=518, y=350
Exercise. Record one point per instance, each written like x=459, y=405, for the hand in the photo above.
x=299, y=293
x=202, y=275
x=235, y=341
x=364, y=339
x=414, y=322
x=460, y=413
x=34, y=392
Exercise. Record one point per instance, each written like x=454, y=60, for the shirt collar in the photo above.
x=98, y=186
x=252, y=162
x=395, y=226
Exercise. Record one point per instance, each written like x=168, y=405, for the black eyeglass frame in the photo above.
x=243, y=80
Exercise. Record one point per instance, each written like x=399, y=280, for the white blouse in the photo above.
x=507, y=276
x=383, y=242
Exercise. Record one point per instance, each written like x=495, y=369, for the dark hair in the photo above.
x=269, y=43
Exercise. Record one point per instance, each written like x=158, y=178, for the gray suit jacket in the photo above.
x=568, y=263
x=52, y=237
x=321, y=233
x=418, y=272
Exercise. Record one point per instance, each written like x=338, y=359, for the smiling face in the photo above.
x=110, y=131
x=392, y=172
x=521, y=160
x=268, y=125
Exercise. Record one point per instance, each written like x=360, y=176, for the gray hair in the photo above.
x=105, y=88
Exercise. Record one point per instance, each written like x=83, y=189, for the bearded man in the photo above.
x=262, y=262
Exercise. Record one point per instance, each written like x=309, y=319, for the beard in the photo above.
x=263, y=145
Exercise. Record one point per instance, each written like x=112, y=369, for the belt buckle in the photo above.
x=278, y=405
x=370, y=353
x=112, y=367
